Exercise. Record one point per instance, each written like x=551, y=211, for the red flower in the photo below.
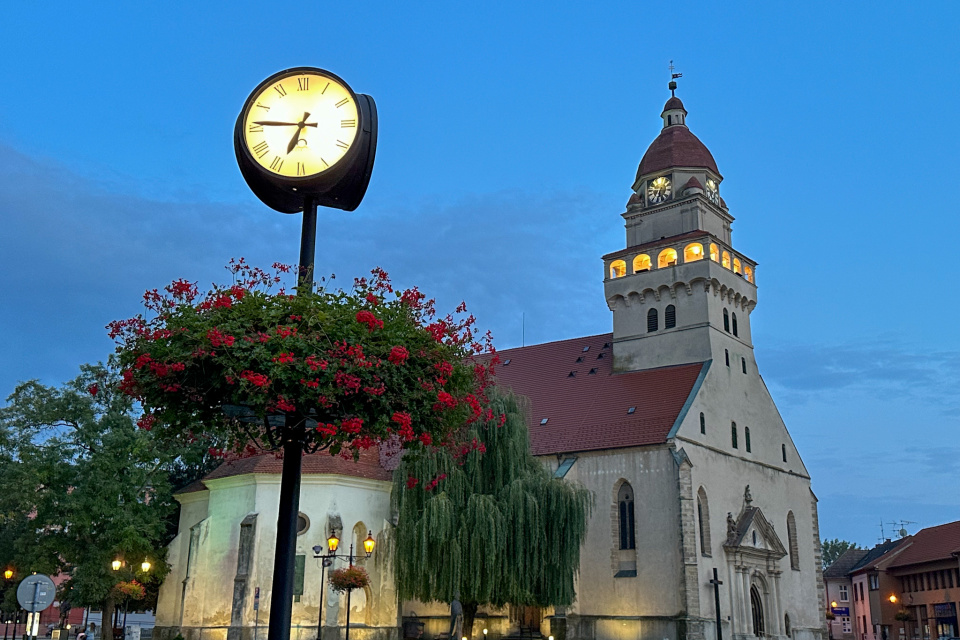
x=398, y=355
x=373, y=322
x=327, y=429
x=218, y=339
x=284, y=357
x=93, y=389
x=146, y=422
x=444, y=399
x=412, y=482
x=352, y=425
x=406, y=425
x=284, y=405
x=348, y=382
x=257, y=379
x=314, y=364
x=372, y=299
x=426, y=439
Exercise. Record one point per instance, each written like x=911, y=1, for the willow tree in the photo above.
x=487, y=521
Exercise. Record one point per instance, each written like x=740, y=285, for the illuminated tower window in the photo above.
x=693, y=252
x=618, y=269
x=641, y=263
x=714, y=252
x=736, y=266
x=725, y=260
x=667, y=258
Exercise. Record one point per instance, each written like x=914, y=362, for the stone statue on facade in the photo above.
x=731, y=527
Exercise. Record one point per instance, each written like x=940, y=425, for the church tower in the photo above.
x=679, y=291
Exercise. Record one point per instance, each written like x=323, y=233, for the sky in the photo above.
x=510, y=134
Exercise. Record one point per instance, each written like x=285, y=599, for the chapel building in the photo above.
x=666, y=420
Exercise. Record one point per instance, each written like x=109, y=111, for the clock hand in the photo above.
x=296, y=137
x=274, y=123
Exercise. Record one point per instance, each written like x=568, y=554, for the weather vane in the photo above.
x=673, y=80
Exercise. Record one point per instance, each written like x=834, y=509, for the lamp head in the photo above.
x=8, y=574
x=833, y=604
x=369, y=543
x=145, y=566
x=333, y=542
x=893, y=599
x=116, y=564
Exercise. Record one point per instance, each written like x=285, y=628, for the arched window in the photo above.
x=748, y=273
x=725, y=259
x=714, y=252
x=786, y=625
x=733, y=434
x=669, y=120
x=670, y=317
x=743, y=364
x=783, y=452
x=792, y=537
x=703, y=423
x=736, y=266
x=653, y=321
x=641, y=263
x=693, y=252
x=703, y=520
x=735, y=324
x=726, y=321
x=625, y=506
x=618, y=269
x=746, y=438
x=726, y=354
x=667, y=258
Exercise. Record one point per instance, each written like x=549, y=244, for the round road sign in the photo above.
x=36, y=593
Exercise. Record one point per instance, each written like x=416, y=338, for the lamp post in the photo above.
x=368, y=545
x=325, y=561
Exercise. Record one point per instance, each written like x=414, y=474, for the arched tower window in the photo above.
x=703, y=423
x=746, y=438
x=792, y=538
x=618, y=269
x=726, y=321
x=735, y=324
x=653, y=321
x=626, y=521
x=748, y=273
x=725, y=259
x=641, y=263
x=667, y=258
x=703, y=520
x=736, y=266
x=693, y=252
x=714, y=252
x=733, y=434
x=670, y=317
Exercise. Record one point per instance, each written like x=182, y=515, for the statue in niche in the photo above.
x=731, y=527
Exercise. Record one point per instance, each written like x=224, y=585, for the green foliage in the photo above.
x=830, y=550
x=493, y=525
x=81, y=485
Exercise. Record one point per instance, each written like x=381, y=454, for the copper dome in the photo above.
x=676, y=147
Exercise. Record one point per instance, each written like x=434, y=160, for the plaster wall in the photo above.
x=834, y=594
x=684, y=214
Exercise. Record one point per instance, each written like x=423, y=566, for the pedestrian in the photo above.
x=82, y=634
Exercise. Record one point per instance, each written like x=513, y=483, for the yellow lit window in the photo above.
x=641, y=263
x=714, y=253
x=667, y=258
x=736, y=266
x=748, y=273
x=725, y=260
x=693, y=252
x=618, y=269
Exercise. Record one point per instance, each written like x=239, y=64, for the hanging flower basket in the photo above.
x=132, y=590
x=349, y=578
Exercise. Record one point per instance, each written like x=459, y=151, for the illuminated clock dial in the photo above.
x=301, y=124
x=658, y=190
x=713, y=191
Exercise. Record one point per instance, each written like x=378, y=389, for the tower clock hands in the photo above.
x=274, y=123
x=296, y=137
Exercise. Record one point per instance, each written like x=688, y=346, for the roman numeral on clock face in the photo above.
x=279, y=89
x=263, y=106
x=301, y=169
x=303, y=84
x=343, y=102
x=261, y=149
x=277, y=163
x=347, y=123
x=342, y=144
x=255, y=128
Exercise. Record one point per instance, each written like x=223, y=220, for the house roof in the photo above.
x=193, y=487
x=842, y=565
x=870, y=558
x=368, y=466
x=931, y=544
x=585, y=404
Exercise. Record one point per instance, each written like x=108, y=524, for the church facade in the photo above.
x=704, y=517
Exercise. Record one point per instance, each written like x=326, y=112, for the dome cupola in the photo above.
x=673, y=113
x=676, y=146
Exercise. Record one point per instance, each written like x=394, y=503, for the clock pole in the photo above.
x=284, y=557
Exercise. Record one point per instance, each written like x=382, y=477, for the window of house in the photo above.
x=653, y=321
x=726, y=354
x=670, y=317
x=844, y=593
x=733, y=434
x=714, y=252
x=746, y=438
x=792, y=538
x=736, y=265
x=703, y=520
x=726, y=321
x=735, y=325
x=874, y=582
x=703, y=423
x=625, y=504
x=748, y=273
x=725, y=259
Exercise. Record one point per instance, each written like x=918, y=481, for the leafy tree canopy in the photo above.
x=490, y=523
x=830, y=550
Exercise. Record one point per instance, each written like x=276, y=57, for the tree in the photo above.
x=487, y=520
x=830, y=550
x=86, y=487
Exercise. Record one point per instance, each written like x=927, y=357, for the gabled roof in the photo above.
x=368, y=466
x=873, y=555
x=931, y=544
x=752, y=516
x=571, y=385
x=842, y=565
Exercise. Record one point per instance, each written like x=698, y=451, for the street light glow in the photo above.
x=893, y=599
x=8, y=574
x=145, y=566
x=333, y=542
x=369, y=543
x=116, y=564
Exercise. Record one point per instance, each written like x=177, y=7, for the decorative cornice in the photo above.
x=642, y=296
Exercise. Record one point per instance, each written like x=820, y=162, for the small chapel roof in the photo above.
x=368, y=466
x=673, y=103
x=577, y=402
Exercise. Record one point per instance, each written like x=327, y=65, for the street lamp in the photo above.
x=145, y=566
x=369, y=543
x=116, y=564
x=333, y=542
x=893, y=599
x=8, y=573
x=325, y=561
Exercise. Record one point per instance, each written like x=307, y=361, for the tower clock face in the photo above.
x=300, y=124
x=658, y=190
x=713, y=191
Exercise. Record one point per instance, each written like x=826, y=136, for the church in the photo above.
x=704, y=521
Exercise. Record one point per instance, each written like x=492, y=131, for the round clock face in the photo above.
x=300, y=124
x=658, y=190
x=713, y=191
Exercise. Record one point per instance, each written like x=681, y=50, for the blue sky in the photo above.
x=509, y=136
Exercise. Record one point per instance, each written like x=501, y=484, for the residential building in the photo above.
x=839, y=594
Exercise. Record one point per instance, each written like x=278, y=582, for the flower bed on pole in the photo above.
x=241, y=362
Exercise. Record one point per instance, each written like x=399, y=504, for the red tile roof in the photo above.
x=656, y=243
x=676, y=147
x=692, y=183
x=673, y=103
x=588, y=411
x=368, y=466
x=931, y=544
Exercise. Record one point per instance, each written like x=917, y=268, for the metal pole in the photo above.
x=716, y=601
x=323, y=584
x=308, y=243
x=350, y=560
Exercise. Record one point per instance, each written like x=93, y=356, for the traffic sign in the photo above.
x=36, y=592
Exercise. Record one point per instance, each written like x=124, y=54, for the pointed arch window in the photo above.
x=703, y=522
x=726, y=321
x=626, y=519
x=653, y=321
x=735, y=324
x=746, y=438
x=792, y=538
x=641, y=263
x=670, y=317
x=733, y=434
x=667, y=258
